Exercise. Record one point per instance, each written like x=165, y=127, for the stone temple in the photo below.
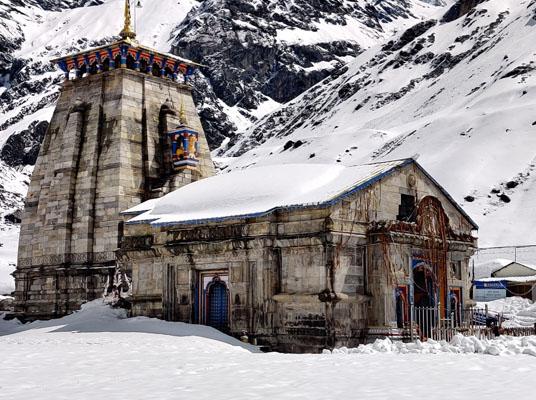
x=297, y=257
x=124, y=130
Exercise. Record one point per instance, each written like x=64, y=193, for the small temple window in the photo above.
x=169, y=73
x=143, y=65
x=456, y=270
x=406, y=209
x=93, y=68
x=82, y=71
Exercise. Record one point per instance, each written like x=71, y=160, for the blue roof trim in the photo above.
x=324, y=204
x=134, y=212
x=182, y=130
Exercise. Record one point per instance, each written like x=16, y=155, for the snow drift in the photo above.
x=98, y=317
x=503, y=345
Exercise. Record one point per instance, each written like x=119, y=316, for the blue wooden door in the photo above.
x=218, y=305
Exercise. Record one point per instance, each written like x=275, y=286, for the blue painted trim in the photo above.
x=63, y=66
x=187, y=162
x=182, y=130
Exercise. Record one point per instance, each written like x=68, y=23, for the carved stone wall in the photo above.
x=102, y=154
x=299, y=280
x=277, y=269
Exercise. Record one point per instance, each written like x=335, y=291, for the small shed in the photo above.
x=502, y=278
x=515, y=269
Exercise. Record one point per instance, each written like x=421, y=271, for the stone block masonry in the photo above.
x=102, y=154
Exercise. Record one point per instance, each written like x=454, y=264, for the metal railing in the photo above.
x=429, y=323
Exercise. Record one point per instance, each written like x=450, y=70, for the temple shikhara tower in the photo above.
x=125, y=130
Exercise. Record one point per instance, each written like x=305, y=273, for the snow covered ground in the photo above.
x=8, y=257
x=501, y=346
x=96, y=353
x=516, y=310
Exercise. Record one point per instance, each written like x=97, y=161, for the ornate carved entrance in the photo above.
x=212, y=305
x=217, y=304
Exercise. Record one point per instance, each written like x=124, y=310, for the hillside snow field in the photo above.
x=97, y=353
x=459, y=91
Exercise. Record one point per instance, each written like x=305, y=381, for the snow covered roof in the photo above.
x=518, y=279
x=528, y=266
x=258, y=191
x=484, y=270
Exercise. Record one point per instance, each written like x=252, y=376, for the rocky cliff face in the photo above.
x=262, y=54
x=22, y=148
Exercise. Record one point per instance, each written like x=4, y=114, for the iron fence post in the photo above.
x=411, y=310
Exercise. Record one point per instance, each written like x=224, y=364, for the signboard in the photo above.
x=489, y=291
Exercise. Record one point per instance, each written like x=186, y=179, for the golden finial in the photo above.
x=182, y=114
x=127, y=32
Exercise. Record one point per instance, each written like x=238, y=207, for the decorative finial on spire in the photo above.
x=182, y=114
x=127, y=32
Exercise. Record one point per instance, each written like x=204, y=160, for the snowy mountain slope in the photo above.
x=461, y=92
x=263, y=53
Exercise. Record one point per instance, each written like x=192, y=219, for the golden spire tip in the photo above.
x=182, y=114
x=127, y=32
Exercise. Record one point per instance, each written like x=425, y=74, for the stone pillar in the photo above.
x=86, y=183
x=168, y=117
x=60, y=207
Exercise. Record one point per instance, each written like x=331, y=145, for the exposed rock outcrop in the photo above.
x=23, y=148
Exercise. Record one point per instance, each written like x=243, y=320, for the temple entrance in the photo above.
x=424, y=295
x=423, y=286
x=212, y=305
x=217, y=304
